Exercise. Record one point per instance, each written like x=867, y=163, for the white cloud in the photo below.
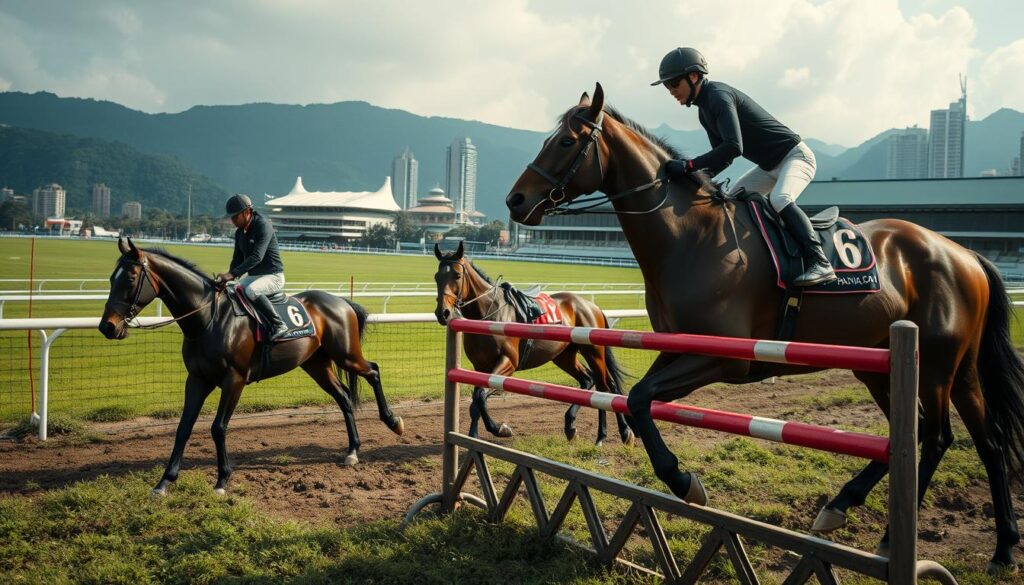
x=838, y=70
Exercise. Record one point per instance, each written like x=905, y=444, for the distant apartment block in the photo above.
x=48, y=202
x=461, y=178
x=131, y=210
x=405, y=174
x=946, y=139
x=101, y=200
x=6, y=194
x=907, y=154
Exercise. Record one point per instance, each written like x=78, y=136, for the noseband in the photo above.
x=557, y=196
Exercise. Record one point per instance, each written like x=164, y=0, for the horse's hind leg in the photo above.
x=319, y=367
x=970, y=403
x=568, y=363
x=856, y=491
x=370, y=372
x=605, y=382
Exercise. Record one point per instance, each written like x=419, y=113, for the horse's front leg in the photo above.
x=196, y=391
x=231, y=391
x=670, y=377
x=504, y=367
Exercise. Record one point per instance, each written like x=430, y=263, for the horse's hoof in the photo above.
x=696, y=494
x=351, y=459
x=828, y=520
x=599, y=443
x=158, y=492
x=399, y=427
x=629, y=440
x=1002, y=569
x=504, y=431
x=220, y=491
x=570, y=434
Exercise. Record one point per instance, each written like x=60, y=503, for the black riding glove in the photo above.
x=677, y=170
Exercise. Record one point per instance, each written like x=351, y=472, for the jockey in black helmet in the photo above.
x=737, y=126
x=256, y=260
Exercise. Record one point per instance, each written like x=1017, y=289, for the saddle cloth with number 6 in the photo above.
x=288, y=308
x=842, y=241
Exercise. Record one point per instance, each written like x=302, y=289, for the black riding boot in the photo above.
x=817, y=268
x=266, y=309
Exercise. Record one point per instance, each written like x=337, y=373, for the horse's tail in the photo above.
x=353, y=378
x=1002, y=373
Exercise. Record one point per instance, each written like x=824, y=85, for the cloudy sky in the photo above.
x=837, y=70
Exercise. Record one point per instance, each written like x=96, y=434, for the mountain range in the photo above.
x=348, y=146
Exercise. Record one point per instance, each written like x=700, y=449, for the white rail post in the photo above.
x=903, y=377
x=44, y=379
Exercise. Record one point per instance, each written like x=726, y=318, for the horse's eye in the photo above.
x=567, y=141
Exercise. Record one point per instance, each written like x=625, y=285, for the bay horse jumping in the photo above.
x=707, y=271
x=220, y=349
x=464, y=290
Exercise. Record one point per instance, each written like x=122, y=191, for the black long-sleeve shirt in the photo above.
x=738, y=126
x=256, y=249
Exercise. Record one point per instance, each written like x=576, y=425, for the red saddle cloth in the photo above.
x=552, y=314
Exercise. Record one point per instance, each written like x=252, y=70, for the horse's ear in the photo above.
x=584, y=100
x=459, y=252
x=596, y=104
x=437, y=252
x=121, y=245
x=131, y=248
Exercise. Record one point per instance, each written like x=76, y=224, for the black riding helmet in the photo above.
x=236, y=204
x=680, y=62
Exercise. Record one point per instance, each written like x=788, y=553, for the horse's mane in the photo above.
x=186, y=264
x=705, y=180
x=482, y=274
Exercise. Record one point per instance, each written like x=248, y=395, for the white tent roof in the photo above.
x=380, y=200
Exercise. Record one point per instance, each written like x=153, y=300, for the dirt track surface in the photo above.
x=288, y=462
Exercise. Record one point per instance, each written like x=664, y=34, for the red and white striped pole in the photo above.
x=817, y=355
x=791, y=433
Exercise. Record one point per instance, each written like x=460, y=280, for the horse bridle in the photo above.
x=134, y=308
x=459, y=303
x=559, y=205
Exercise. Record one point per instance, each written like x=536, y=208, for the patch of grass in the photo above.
x=256, y=406
x=166, y=413
x=839, y=397
x=110, y=414
x=57, y=425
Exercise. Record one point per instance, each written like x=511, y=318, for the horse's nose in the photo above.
x=106, y=328
x=447, y=314
x=514, y=200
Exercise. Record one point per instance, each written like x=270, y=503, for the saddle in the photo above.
x=291, y=311
x=536, y=308
x=847, y=249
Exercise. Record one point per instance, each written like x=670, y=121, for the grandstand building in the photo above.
x=983, y=214
x=334, y=216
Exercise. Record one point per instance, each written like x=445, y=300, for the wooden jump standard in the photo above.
x=818, y=557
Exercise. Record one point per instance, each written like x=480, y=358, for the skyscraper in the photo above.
x=48, y=201
x=946, y=138
x=131, y=210
x=405, y=172
x=907, y=154
x=461, y=177
x=101, y=200
x=1020, y=157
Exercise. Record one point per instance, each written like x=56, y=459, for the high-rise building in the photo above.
x=48, y=201
x=6, y=194
x=1020, y=157
x=405, y=172
x=101, y=200
x=461, y=178
x=131, y=210
x=907, y=154
x=946, y=139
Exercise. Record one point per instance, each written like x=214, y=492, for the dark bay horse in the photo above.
x=220, y=349
x=464, y=290
x=708, y=272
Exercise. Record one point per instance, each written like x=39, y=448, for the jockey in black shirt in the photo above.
x=737, y=126
x=256, y=260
